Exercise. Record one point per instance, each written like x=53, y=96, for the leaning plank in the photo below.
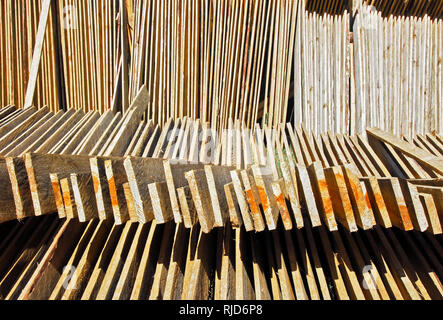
x=99, y=181
x=116, y=262
x=377, y=203
x=395, y=203
x=187, y=207
x=251, y=194
x=85, y=201
x=125, y=280
x=202, y=200
x=62, y=243
x=430, y=209
x=340, y=198
x=161, y=270
x=66, y=278
x=364, y=216
x=437, y=195
x=68, y=198
x=38, y=47
x=116, y=176
x=18, y=180
x=307, y=190
x=130, y=124
x=84, y=267
x=322, y=196
x=425, y=158
x=174, y=279
x=280, y=195
x=35, y=132
x=415, y=207
x=233, y=207
x=16, y=132
x=217, y=177
x=263, y=181
x=161, y=206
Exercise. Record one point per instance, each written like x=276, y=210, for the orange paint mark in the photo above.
x=252, y=203
x=96, y=183
x=263, y=198
x=326, y=200
x=57, y=194
x=406, y=220
x=281, y=202
x=368, y=202
x=379, y=200
x=67, y=198
x=113, y=192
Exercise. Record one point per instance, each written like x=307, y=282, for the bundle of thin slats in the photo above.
x=18, y=31
x=398, y=73
x=90, y=48
x=44, y=258
x=214, y=60
x=322, y=73
x=60, y=54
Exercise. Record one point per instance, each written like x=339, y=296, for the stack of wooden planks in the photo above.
x=263, y=62
x=141, y=208
x=18, y=38
x=221, y=150
x=215, y=60
x=90, y=52
x=59, y=54
x=117, y=167
x=322, y=69
x=398, y=73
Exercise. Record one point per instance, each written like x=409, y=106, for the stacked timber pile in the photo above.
x=141, y=208
x=398, y=73
x=59, y=54
x=252, y=149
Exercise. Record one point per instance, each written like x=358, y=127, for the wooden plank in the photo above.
x=395, y=203
x=241, y=196
x=235, y=217
x=116, y=177
x=140, y=173
x=321, y=191
x=18, y=180
x=187, y=207
x=158, y=192
x=423, y=157
x=377, y=203
x=340, y=198
x=85, y=201
x=68, y=198
x=54, y=258
x=201, y=197
x=357, y=192
x=38, y=47
x=263, y=183
x=116, y=262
